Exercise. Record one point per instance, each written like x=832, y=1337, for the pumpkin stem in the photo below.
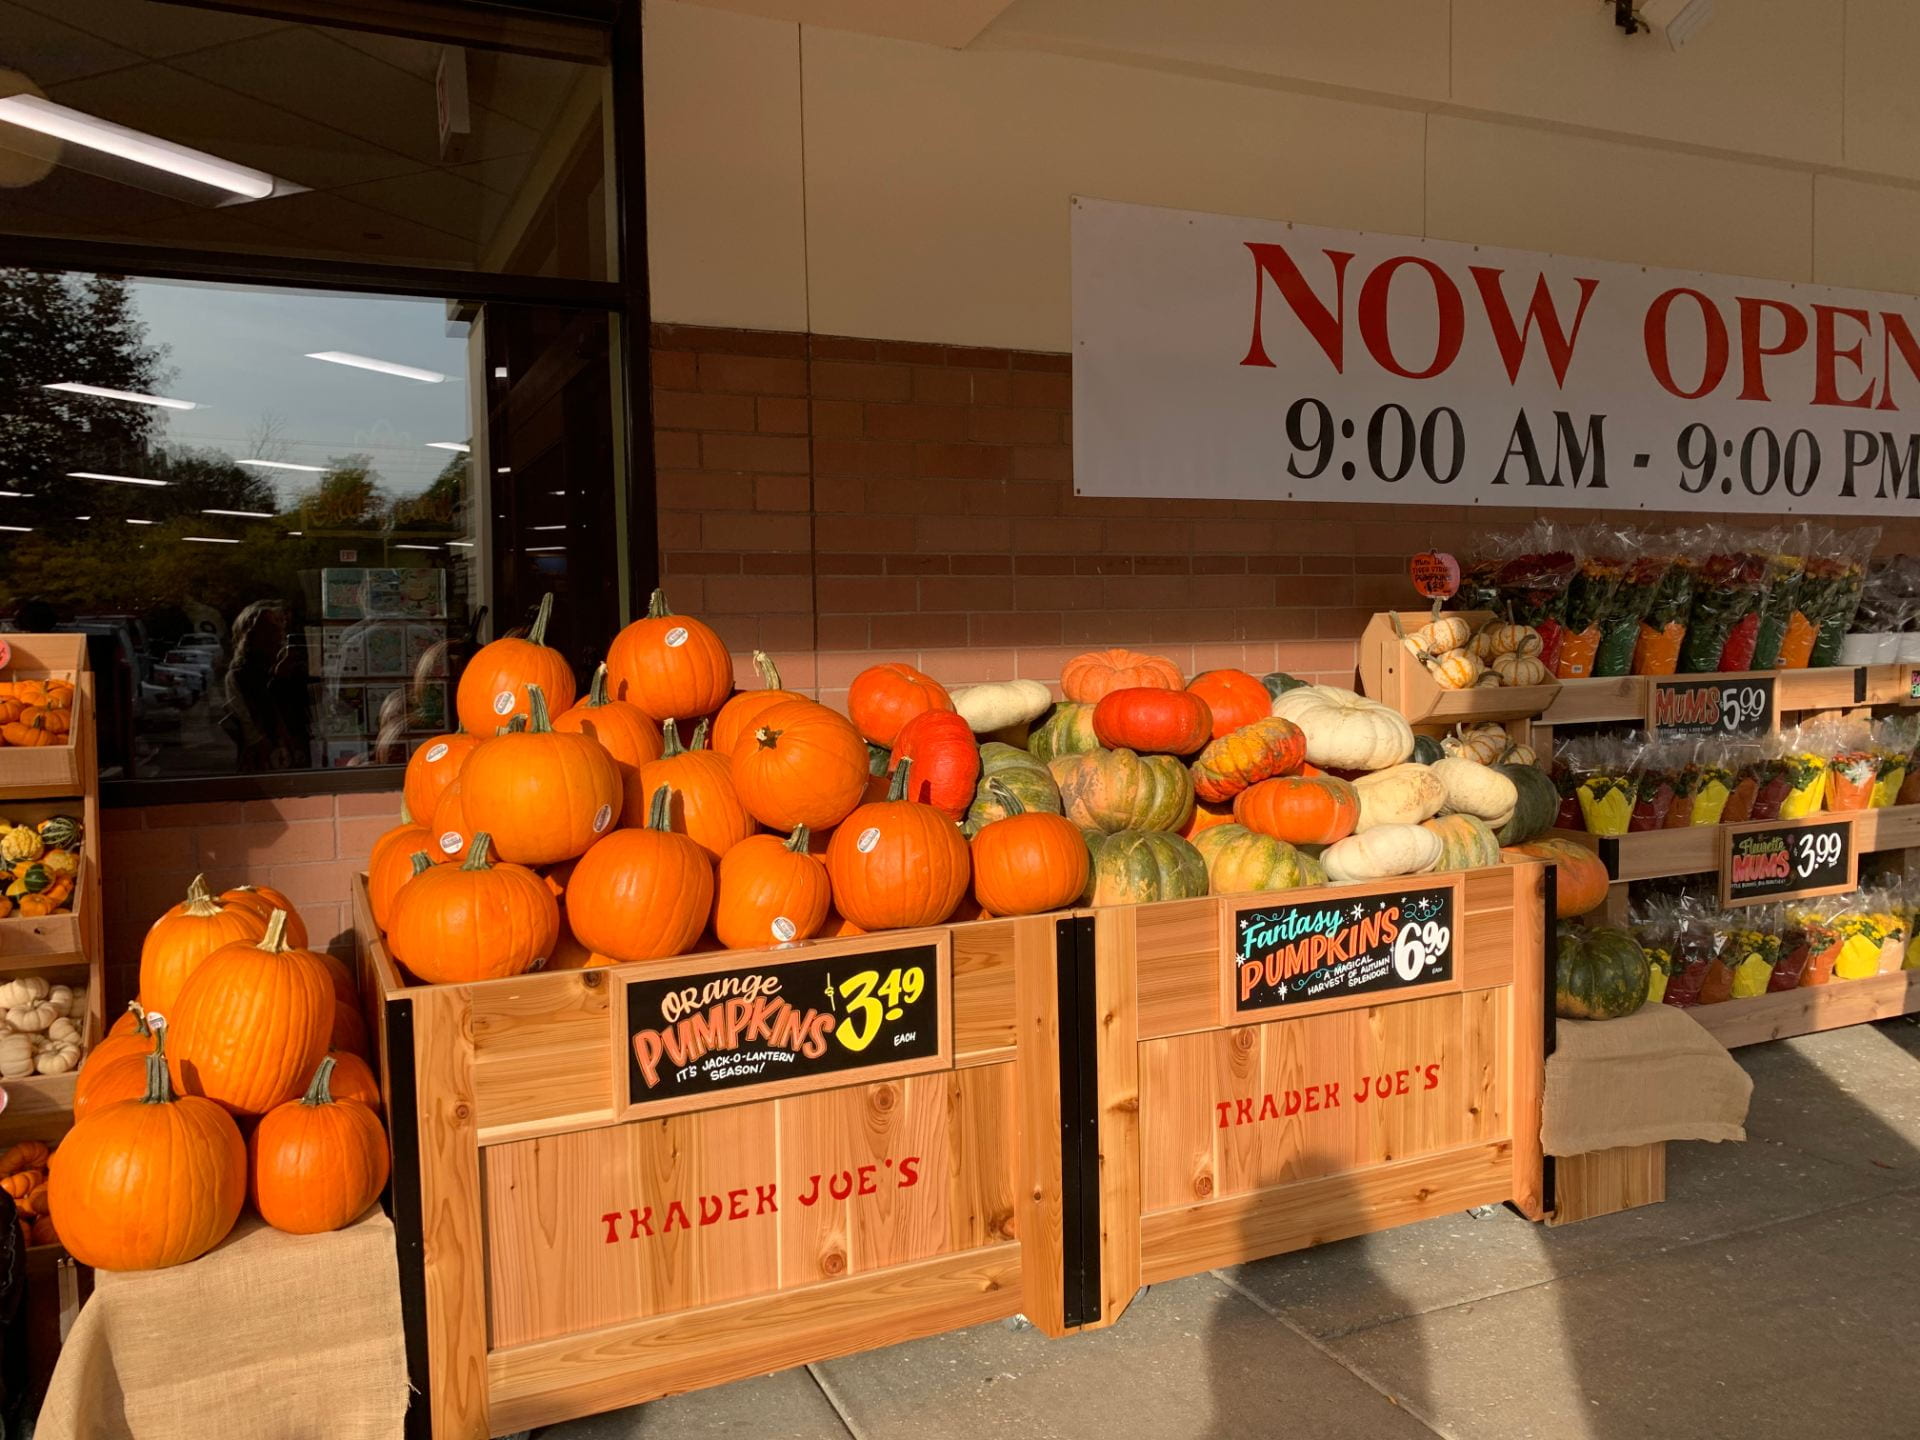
x=769, y=675
x=597, y=692
x=159, y=1083
x=406, y=813
x=275, y=940
x=320, y=1092
x=140, y=1025
x=797, y=842
x=1009, y=801
x=538, y=634
x=421, y=862
x=699, y=737
x=767, y=736
x=200, y=902
x=515, y=726
x=670, y=745
x=657, y=606
x=898, y=789
x=660, y=808
x=540, y=721
x=478, y=857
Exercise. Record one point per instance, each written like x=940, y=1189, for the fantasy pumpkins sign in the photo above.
x=1225, y=358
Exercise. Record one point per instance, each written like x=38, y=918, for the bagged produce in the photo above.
x=1726, y=595
x=1663, y=628
x=1786, y=568
x=1829, y=595
x=1600, y=567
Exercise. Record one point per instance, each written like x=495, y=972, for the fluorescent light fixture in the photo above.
x=284, y=465
x=504, y=470
x=18, y=529
x=499, y=372
x=459, y=544
x=31, y=112
x=385, y=367
x=116, y=479
x=132, y=397
x=543, y=549
x=448, y=445
x=143, y=522
x=209, y=540
x=12, y=494
x=83, y=517
x=399, y=546
x=296, y=533
x=546, y=527
x=242, y=514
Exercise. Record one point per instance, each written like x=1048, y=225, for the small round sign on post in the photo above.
x=1435, y=573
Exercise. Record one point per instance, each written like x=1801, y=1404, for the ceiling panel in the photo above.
x=48, y=52
x=156, y=31
x=953, y=23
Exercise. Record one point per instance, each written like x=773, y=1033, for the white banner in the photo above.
x=1225, y=358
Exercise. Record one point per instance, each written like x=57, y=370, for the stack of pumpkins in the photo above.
x=238, y=1076
x=666, y=812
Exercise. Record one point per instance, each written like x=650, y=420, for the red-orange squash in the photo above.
x=1581, y=880
x=493, y=687
x=543, y=794
x=801, y=764
x=770, y=891
x=624, y=731
x=672, y=666
x=1235, y=698
x=1300, y=810
x=432, y=768
x=642, y=893
x=1027, y=862
x=883, y=698
x=897, y=863
x=945, y=758
x=1207, y=815
x=1090, y=676
x=704, y=803
x=1268, y=747
x=741, y=715
x=1152, y=721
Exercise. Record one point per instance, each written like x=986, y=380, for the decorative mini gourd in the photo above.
x=1518, y=670
x=1442, y=634
x=1455, y=670
x=1483, y=744
x=1497, y=639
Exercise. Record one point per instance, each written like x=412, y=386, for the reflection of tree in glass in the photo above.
x=348, y=497
x=438, y=507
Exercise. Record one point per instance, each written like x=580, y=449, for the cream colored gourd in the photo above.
x=1345, y=731
x=1380, y=852
x=62, y=1031
x=1496, y=640
x=1483, y=744
x=31, y=1018
x=16, y=1056
x=1456, y=670
x=1001, y=706
x=57, y=1058
x=1448, y=632
x=1521, y=670
x=1466, y=842
x=1399, y=795
x=27, y=990
x=1475, y=789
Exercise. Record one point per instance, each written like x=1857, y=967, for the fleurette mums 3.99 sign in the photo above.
x=1217, y=357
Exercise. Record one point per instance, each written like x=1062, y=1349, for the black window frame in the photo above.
x=625, y=299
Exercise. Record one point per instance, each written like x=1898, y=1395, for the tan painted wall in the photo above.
x=813, y=179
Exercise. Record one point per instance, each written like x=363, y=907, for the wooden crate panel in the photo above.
x=542, y=1051
x=1231, y=1112
x=1178, y=945
x=659, y=1216
x=983, y=1011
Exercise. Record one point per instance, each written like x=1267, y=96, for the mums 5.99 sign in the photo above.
x=1219, y=357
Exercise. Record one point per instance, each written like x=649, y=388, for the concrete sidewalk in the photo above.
x=1772, y=1295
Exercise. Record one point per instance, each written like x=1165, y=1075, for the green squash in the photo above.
x=1241, y=860
x=879, y=759
x=1599, y=974
x=1066, y=730
x=1537, y=802
x=1426, y=750
x=61, y=832
x=1028, y=779
x=1114, y=790
x=1133, y=867
x=1465, y=843
x=1279, y=682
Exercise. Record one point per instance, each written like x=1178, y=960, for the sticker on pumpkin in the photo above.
x=676, y=637
x=869, y=838
x=602, y=818
x=436, y=752
x=452, y=842
x=783, y=929
x=503, y=702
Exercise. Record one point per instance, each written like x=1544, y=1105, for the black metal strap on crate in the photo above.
x=403, y=1204
x=1079, y=1120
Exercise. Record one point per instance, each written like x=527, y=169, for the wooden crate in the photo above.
x=1225, y=1134
x=48, y=769
x=575, y=1236
x=1390, y=674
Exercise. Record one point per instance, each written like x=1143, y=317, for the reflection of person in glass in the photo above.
x=266, y=693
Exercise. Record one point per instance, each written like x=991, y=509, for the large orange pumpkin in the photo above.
x=1151, y=721
x=454, y=924
x=624, y=731
x=672, y=666
x=316, y=1163
x=264, y=899
x=883, y=698
x=1027, y=862
x=1300, y=810
x=945, y=758
x=452, y=830
x=801, y=764
x=1581, y=880
x=770, y=891
x=741, y=715
x=147, y=1183
x=252, y=1022
x=642, y=894
x=897, y=863
x=494, y=686
x=432, y=768
x=1090, y=676
x=391, y=866
x=705, y=804
x=1235, y=698
x=182, y=939
x=543, y=794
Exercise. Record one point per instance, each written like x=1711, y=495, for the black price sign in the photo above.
x=1329, y=949
x=701, y=1035
x=1727, y=706
x=1786, y=860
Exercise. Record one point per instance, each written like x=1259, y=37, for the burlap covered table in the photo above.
x=268, y=1337
x=1652, y=1076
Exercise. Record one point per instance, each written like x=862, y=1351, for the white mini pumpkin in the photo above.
x=1399, y=795
x=1521, y=670
x=1382, y=851
x=1483, y=744
x=1345, y=731
x=1449, y=632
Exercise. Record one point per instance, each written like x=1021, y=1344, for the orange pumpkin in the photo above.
x=705, y=804
x=800, y=765
x=1300, y=810
x=1235, y=698
x=265, y=900
x=134, y=1021
x=353, y=1080
x=642, y=894
x=391, y=866
x=181, y=940
x=252, y=1022
x=148, y=1183
x=454, y=924
x=316, y=1163
x=544, y=795
x=1206, y=815
x=883, y=698
x=1268, y=747
x=432, y=768
x=1089, y=677
x=1027, y=862
x=494, y=686
x=624, y=731
x=452, y=830
x=897, y=863
x=741, y=715
x=345, y=988
x=946, y=761
x=672, y=666
x=1581, y=880
x=348, y=1031
x=1152, y=721
x=116, y=1068
x=33, y=728
x=770, y=891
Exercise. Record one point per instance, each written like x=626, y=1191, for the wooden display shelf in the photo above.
x=1695, y=849
x=49, y=769
x=1390, y=674
x=1626, y=698
x=1833, y=1006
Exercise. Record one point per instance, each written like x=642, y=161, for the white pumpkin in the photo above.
x=1521, y=670
x=27, y=990
x=1475, y=789
x=16, y=1056
x=1399, y=795
x=57, y=1059
x=1382, y=851
x=1002, y=705
x=1346, y=731
x=1449, y=632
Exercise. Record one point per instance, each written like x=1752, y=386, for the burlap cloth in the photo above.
x=1653, y=1075
x=266, y=1337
